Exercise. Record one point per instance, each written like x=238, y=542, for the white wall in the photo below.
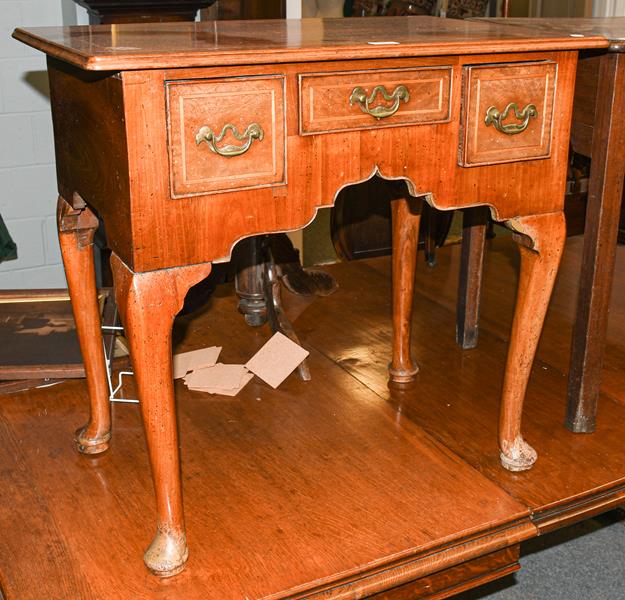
x=27, y=172
x=608, y=8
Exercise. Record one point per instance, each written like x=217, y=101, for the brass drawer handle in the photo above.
x=495, y=118
x=253, y=132
x=359, y=96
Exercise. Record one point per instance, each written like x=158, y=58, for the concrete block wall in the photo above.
x=27, y=171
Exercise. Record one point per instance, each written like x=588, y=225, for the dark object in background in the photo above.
x=8, y=249
x=133, y=11
x=251, y=9
x=38, y=334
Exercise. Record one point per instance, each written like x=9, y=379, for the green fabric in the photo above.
x=8, y=249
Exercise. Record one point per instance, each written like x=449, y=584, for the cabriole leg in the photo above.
x=76, y=228
x=541, y=242
x=148, y=303
x=406, y=215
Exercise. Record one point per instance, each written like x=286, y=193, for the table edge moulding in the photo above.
x=114, y=131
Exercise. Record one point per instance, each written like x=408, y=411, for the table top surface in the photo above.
x=611, y=28
x=220, y=43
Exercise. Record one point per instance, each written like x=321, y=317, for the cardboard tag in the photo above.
x=227, y=377
x=276, y=360
x=187, y=361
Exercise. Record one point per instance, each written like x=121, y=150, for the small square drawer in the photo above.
x=507, y=112
x=344, y=101
x=226, y=134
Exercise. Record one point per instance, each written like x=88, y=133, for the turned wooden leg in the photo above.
x=249, y=280
x=600, y=234
x=76, y=228
x=148, y=303
x=474, y=225
x=406, y=214
x=541, y=242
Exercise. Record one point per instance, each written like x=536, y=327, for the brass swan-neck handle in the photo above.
x=253, y=132
x=496, y=118
x=359, y=96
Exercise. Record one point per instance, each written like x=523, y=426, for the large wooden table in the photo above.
x=186, y=138
x=598, y=131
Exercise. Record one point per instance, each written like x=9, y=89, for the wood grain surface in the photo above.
x=219, y=43
x=148, y=229
x=611, y=28
x=455, y=394
x=288, y=492
x=328, y=477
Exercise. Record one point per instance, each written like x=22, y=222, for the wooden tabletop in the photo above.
x=611, y=28
x=217, y=43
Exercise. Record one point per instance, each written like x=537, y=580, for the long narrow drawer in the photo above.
x=226, y=134
x=507, y=112
x=343, y=101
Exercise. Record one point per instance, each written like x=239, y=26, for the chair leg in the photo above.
x=148, y=303
x=541, y=242
x=406, y=214
x=76, y=227
x=474, y=225
x=250, y=270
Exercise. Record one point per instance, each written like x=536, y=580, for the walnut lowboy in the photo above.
x=185, y=139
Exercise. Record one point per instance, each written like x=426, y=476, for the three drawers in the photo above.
x=363, y=99
x=507, y=112
x=226, y=134
x=230, y=134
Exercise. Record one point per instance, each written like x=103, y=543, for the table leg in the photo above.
x=148, y=303
x=249, y=283
x=602, y=216
x=76, y=229
x=474, y=225
x=406, y=215
x=541, y=243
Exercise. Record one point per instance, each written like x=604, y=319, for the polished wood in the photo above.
x=158, y=237
x=301, y=492
x=353, y=157
x=474, y=226
x=326, y=104
x=148, y=303
x=598, y=132
x=240, y=525
x=541, y=242
x=457, y=579
x=498, y=86
x=241, y=102
x=130, y=11
x=76, y=227
x=455, y=396
x=225, y=43
x=406, y=217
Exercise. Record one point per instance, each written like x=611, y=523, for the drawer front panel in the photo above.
x=226, y=134
x=370, y=99
x=508, y=112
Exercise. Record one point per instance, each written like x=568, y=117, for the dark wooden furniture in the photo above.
x=252, y=9
x=168, y=99
x=598, y=131
x=131, y=11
